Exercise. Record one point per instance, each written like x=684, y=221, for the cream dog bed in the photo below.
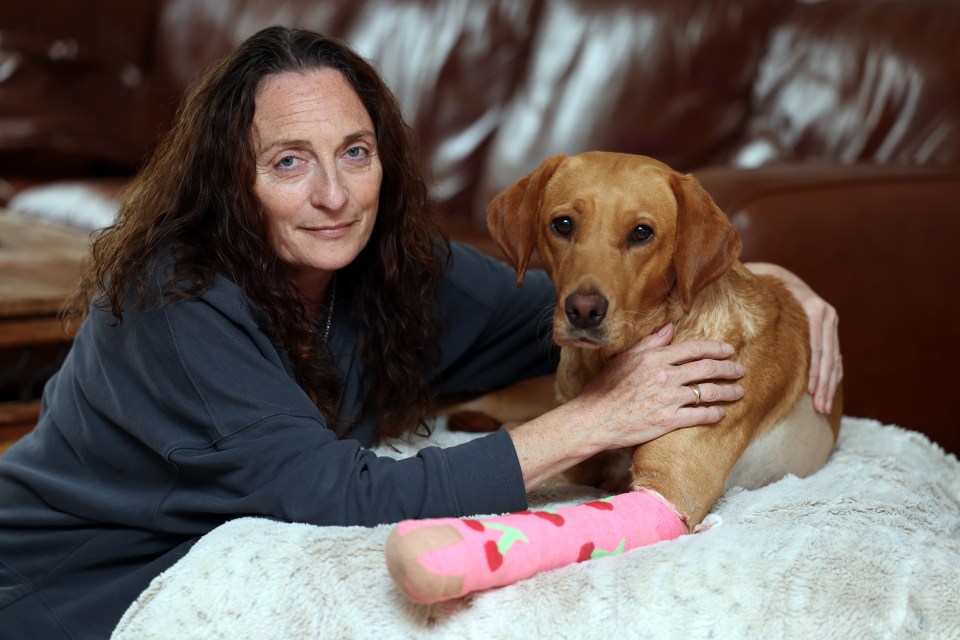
x=868, y=547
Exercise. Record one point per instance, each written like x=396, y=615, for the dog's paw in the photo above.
x=709, y=522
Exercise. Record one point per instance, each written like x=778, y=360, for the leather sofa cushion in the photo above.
x=73, y=87
x=859, y=81
x=664, y=78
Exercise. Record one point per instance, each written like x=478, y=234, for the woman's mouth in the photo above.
x=330, y=231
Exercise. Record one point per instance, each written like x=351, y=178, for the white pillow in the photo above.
x=87, y=205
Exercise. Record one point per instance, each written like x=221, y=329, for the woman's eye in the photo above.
x=562, y=226
x=640, y=234
x=287, y=162
x=357, y=153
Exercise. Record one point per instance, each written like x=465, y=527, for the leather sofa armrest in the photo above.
x=880, y=244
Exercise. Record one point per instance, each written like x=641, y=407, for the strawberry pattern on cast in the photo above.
x=437, y=559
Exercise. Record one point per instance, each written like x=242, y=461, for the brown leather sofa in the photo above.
x=828, y=131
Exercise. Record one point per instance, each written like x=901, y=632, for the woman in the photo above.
x=274, y=298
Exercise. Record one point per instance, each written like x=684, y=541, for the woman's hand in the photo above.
x=642, y=394
x=655, y=387
x=826, y=364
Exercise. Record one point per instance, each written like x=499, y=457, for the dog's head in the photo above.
x=621, y=236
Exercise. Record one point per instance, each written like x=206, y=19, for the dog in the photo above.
x=630, y=245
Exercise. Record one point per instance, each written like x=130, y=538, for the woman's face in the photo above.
x=318, y=174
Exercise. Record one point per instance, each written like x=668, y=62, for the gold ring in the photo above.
x=696, y=390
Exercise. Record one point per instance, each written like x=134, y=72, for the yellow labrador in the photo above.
x=631, y=245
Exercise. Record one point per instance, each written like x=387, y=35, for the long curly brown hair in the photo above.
x=194, y=199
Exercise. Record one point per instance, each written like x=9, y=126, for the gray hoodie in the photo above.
x=186, y=415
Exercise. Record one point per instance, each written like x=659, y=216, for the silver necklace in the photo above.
x=333, y=299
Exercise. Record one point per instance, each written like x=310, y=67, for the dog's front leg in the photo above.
x=689, y=466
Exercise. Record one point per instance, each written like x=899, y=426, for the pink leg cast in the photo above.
x=439, y=559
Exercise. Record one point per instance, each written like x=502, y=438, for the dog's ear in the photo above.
x=512, y=215
x=707, y=243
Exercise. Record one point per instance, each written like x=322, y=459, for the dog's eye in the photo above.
x=641, y=233
x=562, y=226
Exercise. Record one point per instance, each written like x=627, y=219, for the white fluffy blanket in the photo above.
x=868, y=547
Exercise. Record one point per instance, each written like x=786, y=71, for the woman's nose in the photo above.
x=328, y=192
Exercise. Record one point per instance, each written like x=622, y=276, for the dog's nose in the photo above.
x=585, y=310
